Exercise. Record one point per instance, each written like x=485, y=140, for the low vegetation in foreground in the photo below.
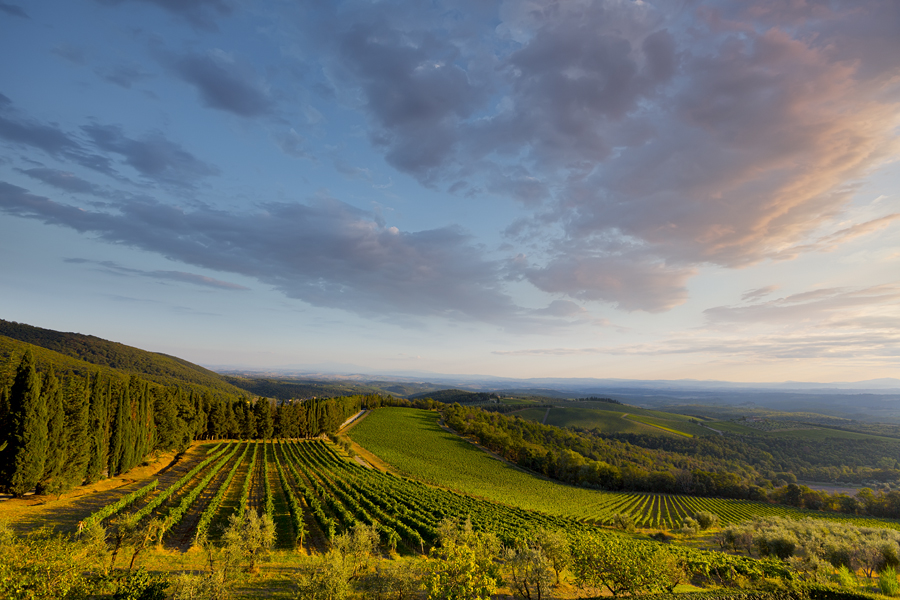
x=300, y=519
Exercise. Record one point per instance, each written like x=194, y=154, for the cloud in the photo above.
x=292, y=144
x=202, y=14
x=326, y=253
x=154, y=156
x=631, y=285
x=223, y=84
x=758, y=293
x=179, y=276
x=849, y=348
x=124, y=76
x=414, y=88
x=691, y=134
x=13, y=10
x=22, y=130
x=821, y=307
x=76, y=55
x=832, y=241
x=63, y=180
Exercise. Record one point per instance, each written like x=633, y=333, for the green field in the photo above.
x=799, y=431
x=610, y=418
x=413, y=443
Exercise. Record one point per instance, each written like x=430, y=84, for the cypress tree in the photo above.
x=148, y=424
x=27, y=450
x=166, y=421
x=98, y=431
x=118, y=431
x=56, y=447
x=130, y=397
x=4, y=415
x=79, y=440
x=264, y=424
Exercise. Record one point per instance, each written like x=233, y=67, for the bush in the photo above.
x=706, y=519
x=140, y=585
x=887, y=582
x=623, y=521
x=689, y=525
x=845, y=578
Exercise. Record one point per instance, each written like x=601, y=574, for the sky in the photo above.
x=610, y=188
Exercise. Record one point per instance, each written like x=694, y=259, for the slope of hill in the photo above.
x=160, y=368
x=287, y=389
x=461, y=396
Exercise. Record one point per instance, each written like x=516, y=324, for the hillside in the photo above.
x=160, y=368
x=461, y=396
x=287, y=389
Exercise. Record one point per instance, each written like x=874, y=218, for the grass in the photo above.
x=412, y=442
x=610, y=418
x=805, y=432
x=415, y=445
x=658, y=425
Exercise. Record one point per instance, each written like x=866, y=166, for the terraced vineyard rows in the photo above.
x=314, y=494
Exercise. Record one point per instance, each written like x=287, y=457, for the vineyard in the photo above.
x=312, y=494
x=413, y=442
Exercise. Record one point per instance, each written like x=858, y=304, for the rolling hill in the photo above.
x=77, y=353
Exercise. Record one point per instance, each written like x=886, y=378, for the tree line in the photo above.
x=59, y=432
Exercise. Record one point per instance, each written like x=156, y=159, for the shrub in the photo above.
x=887, y=581
x=623, y=521
x=845, y=578
x=706, y=519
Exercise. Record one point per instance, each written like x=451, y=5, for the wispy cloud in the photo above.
x=326, y=253
x=178, y=276
x=756, y=294
x=819, y=307
x=202, y=14
x=13, y=10
x=223, y=82
x=855, y=326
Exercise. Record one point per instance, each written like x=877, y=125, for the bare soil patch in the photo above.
x=64, y=513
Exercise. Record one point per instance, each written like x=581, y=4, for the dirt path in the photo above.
x=182, y=535
x=258, y=483
x=711, y=429
x=352, y=419
x=64, y=513
x=546, y=414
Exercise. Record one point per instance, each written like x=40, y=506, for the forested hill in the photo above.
x=461, y=396
x=160, y=368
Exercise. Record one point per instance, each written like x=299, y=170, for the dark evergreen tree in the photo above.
x=78, y=439
x=265, y=425
x=51, y=480
x=118, y=431
x=231, y=427
x=98, y=428
x=249, y=431
x=147, y=426
x=166, y=421
x=199, y=416
x=27, y=444
x=187, y=414
x=4, y=415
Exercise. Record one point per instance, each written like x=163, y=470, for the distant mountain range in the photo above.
x=346, y=372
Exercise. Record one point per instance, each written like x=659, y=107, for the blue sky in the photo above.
x=652, y=190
